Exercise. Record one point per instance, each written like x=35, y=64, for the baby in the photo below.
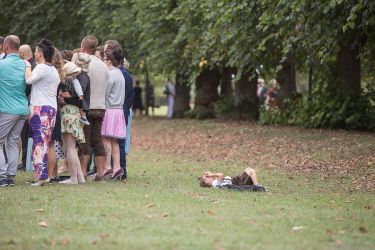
x=72, y=71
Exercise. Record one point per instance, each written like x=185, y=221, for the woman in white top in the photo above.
x=43, y=105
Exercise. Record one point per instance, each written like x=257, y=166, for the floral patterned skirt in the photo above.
x=70, y=123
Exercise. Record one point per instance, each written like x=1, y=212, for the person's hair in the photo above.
x=25, y=51
x=137, y=82
x=47, y=49
x=203, y=183
x=101, y=51
x=113, y=44
x=1, y=42
x=90, y=43
x=67, y=55
x=13, y=42
x=114, y=55
x=58, y=62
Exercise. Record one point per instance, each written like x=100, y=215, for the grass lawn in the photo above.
x=163, y=207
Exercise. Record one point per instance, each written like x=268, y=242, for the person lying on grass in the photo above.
x=245, y=181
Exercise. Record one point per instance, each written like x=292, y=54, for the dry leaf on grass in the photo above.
x=150, y=205
x=43, y=224
x=104, y=236
x=165, y=215
x=362, y=230
x=210, y=212
x=65, y=241
x=40, y=210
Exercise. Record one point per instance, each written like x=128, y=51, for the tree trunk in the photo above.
x=246, y=97
x=226, y=89
x=182, y=98
x=286, y=78
x=206, y=92
x=348, y=65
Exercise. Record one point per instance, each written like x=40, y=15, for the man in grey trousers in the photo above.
x=13, y=108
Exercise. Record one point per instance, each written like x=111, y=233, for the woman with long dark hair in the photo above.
x=43, y=105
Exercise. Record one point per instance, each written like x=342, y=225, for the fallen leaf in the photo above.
x=94, y=242
x=296, y=228
x=52, y=242
x=165, y=215
x=150, y=205
x=342, y=232
x=43, y=224
x=329, y=231
x=339, y=242
x=253, y=222
x=148, y=216
x=65, y=241
x=363, y=229
x=104, y=236
x=40, y=210
x=210, y=212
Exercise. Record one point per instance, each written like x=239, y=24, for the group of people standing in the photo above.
x=81, y=98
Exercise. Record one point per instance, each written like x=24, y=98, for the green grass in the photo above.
x=163, y=207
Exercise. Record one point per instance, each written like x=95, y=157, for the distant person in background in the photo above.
x=13, y=108
x=138, y=105
x=272, y=94
x=262, y=91
x=150, y=97
x=26, y=53
x=2, y=53
x=170, y=91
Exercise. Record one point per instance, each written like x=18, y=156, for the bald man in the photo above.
x=27, y=54
x=13, y=108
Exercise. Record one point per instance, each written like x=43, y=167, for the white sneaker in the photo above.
x=40, y=182
x=84, y=120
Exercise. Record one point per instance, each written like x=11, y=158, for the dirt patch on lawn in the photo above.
x=330, y=153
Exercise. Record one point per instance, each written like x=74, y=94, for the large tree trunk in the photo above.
x=348, y=65
x=182, y=98
x=206, y=92
x=246, y=97
x=286, y=77
x=226, y=89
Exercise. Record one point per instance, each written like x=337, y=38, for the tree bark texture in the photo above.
x=348, y=65
x=182, y=97
x=286, y=78
x=246, y=97
x=226, y=89
x=206, y=92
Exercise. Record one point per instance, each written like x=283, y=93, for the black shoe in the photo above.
x=92, y=172
x=21, y=167
x=4, y=183
x=10, y=182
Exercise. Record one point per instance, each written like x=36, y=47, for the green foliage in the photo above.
x=225, y=106
x=328, y=109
